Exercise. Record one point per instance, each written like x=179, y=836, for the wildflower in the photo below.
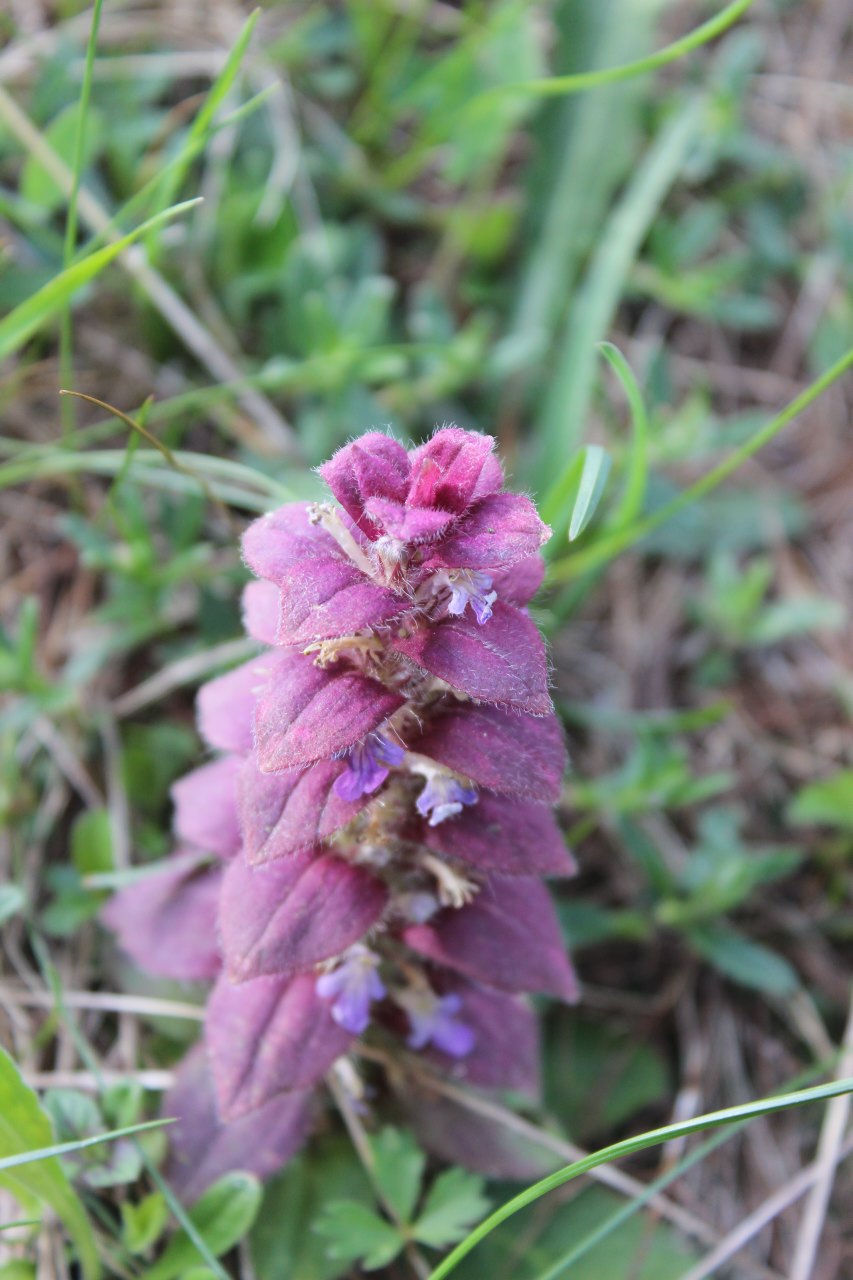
x=368, y=765
x=433, y=1020
x=352, y=988
x=442, y=797
x=471, y=586
x=380, y=797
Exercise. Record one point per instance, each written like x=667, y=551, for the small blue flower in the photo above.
x=352, y=988
x=442, y=797
x=368, y=765
x=433, y=1021
x=471, y=586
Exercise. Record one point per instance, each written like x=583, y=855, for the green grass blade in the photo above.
x=67, y=414
x=197, y=136
x=28, y=316
x=593, y=478
x=557, y=86
x=628, y=1146
x=67, y=1148
x=149, y=468
x=609, y=546
x=562, y=419
x=590, y=149
x=631, y=503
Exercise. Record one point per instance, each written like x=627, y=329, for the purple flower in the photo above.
x=442, y=797
x=433, y=1021
x=371, y=613
x=471, y=586
x=352, y=988
x=368, y=765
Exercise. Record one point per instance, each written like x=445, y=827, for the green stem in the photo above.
x=609, y=546
x=554, y=86
x=66, y=367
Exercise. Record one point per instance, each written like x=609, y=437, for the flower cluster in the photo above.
x=363, y=856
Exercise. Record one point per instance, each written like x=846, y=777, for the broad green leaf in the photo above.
x=91, y=842
x=613, y=1075
x=45, y=303
x=745, y=961
x=828, y=801
x=222, y=1216
x=352, y=1231
x=24, y=1129
x=142, y=1224
x=454, y=1201
x=398, y=1169
x=796, y=617
x=285, y=1244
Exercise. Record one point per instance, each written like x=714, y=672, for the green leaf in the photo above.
x=222, y=1216
x=454, y=1201
x=828, y=801
x=24, y=1130
x=398, y=1169
x=12, y=901
x=92, y=842
x=796, y=617
x=593, y=478
x=631, y=503
x=567, y=400
x=353, y=1231
x=745, y=961
x=37, y=185
x=285, y=1244
x=45, y=303
x=142, y=1224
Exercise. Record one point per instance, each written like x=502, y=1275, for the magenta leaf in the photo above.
x=508, y=937
x=502, y=750
x=286, y=917
x=166, y=922
x=519, y=584
x=260, y=611
x=408, y=524
x=225, y=705
x=327, y=597
x=203, y=1148
x=374, y=466
x=453, y=469
x=287, y=813
x=503, y=529
x=284, y=540
x=205, y=803
x=306, y=713
x=266, y=1037
x=459, y=1135
x=505, y=835
x=501, y=661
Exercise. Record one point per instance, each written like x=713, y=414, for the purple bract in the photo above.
x=363, y=854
